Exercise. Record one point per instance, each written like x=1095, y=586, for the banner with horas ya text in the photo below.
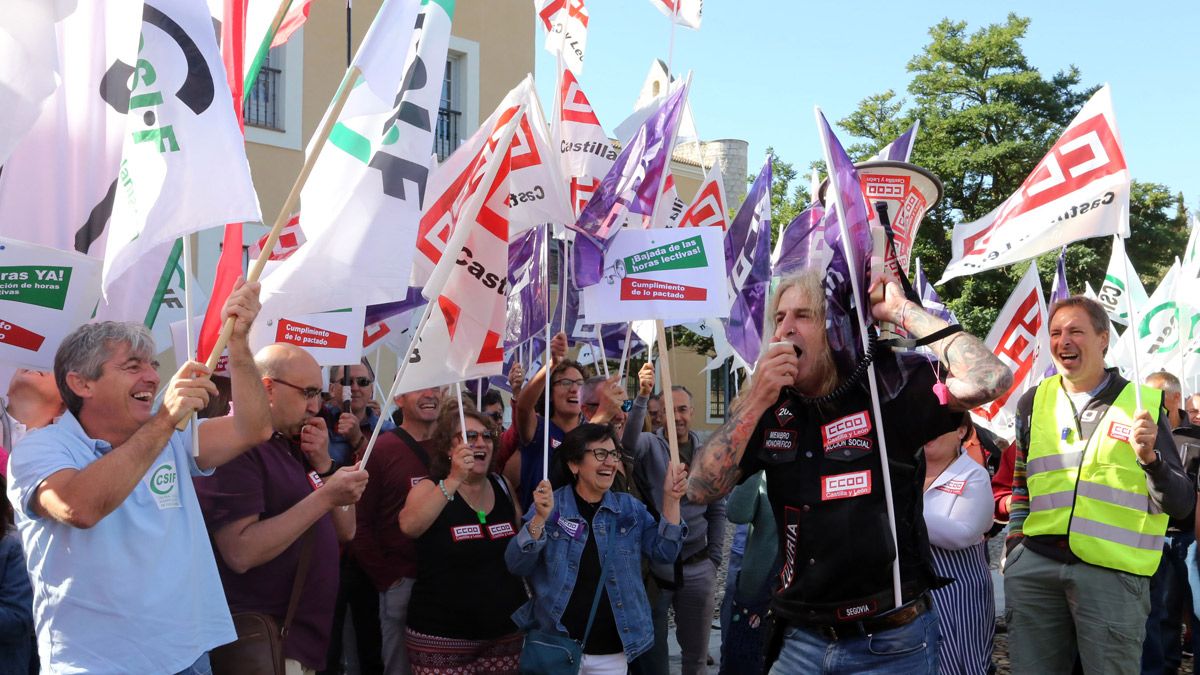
x=45, y=294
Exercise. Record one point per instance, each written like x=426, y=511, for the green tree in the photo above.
x=987, y=118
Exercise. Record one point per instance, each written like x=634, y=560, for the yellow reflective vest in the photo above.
x=1093, y=489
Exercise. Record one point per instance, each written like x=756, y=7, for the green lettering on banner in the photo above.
x=681, y=255
x=44, y=286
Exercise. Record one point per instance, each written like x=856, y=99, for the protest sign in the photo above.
x=660, y=274
x=45, y=294
x=333, y=338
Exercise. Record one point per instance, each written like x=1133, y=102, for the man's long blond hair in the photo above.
x=809, y=282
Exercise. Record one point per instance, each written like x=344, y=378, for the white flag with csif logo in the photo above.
x=183, y=161
x=363, y=199
x=1080, y=189
x=1119, y=279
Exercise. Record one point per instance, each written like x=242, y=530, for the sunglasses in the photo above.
x=473, y=436
x=626, y=405
x=360, y=381
x=309, y=392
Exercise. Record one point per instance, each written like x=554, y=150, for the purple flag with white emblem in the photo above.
x=853, y=257
x=526, y=287
x=748, y=266
x=845, y=338
x=632, y=184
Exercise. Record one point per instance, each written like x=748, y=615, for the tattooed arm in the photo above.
x=976, y=375
x=715, y=469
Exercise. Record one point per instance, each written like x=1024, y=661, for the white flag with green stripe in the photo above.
x=362, y=202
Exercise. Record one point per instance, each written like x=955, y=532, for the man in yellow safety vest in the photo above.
x=1096, y=479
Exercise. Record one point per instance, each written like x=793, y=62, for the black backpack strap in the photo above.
x=413, y=444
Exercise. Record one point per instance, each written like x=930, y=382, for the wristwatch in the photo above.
x=1152, y=465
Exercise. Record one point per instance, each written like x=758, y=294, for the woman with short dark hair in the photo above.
x=573, y=533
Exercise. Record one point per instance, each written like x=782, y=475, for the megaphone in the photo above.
x=898, y=196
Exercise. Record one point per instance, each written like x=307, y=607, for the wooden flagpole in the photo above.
x=322, y=135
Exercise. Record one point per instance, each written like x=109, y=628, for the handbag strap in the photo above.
x=306, y=555
x=599, y=588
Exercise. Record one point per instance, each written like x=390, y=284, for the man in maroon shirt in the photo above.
x=398, y=462
x=259, y=506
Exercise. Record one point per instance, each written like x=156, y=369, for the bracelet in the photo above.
x=442, y=487
x=333, y=467
x=538, y=533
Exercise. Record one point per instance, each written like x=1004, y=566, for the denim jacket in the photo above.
x=552, y=563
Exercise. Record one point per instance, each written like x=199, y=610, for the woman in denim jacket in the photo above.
x=556, y=551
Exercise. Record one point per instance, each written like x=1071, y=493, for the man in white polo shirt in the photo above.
x=123, y=573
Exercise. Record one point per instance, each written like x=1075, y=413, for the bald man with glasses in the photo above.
x=262, y=507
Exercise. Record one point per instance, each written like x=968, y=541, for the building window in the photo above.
x=719, y=394
x=264, y=106
x=448, y=135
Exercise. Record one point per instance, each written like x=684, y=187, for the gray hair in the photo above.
x=1165, y=381
x=85, y=350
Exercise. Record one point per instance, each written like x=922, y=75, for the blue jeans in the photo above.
x=200, y=667
x=908, y=650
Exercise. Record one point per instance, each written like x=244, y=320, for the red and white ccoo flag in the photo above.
x=1020, y=338
x=1079, y=190
x=566, y=23
x=708, y=208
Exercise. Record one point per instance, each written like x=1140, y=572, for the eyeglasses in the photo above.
x=309, y=392
x=473, y=436
x=568, y=383
x=496, y=416
x=602, y=454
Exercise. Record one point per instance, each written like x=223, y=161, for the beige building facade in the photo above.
x=491, y=50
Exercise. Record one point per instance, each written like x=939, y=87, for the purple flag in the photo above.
x=632, y=184
x=801, y=244
x=579, y=330
x=900, y=149
x=845, y=338
x=377, y=313
x=526, y=288
x=748, y=266
x=930, y=299
x=1058, y=291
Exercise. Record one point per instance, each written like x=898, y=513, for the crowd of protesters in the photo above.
x=135, y=541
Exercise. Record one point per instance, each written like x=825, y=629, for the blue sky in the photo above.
x=761, y=65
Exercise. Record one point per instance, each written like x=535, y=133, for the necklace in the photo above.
x=479, y=513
